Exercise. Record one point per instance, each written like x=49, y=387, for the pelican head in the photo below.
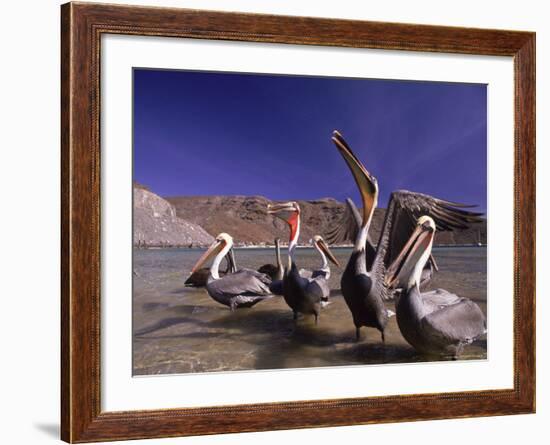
x=221, y=244
x=322, y=246
x=426, y=220
x=367, y=183
x=406, y=269
x=289, y=212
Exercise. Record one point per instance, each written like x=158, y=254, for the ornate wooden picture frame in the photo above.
x=82, y=26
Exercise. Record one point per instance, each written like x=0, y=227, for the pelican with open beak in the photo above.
x=365, y=282
x=243, y=288
x=359, y=286
x=440, y=328
x=303, y=295
x=414, y=255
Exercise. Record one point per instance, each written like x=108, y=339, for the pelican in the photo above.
x=243, y=288
x=321, y=275
x=275, y=271
x=324, y=270
x=200, y=276
x=366, y=289
x=440, y=329
x=303, y=295
x=276, y=285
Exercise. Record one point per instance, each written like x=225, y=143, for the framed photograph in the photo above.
x=276, y=222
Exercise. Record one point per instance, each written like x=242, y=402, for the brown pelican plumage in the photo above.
x=347, y=230
x=303, y=295
x=200, y=276
x=440, y=325
x=243, y=288
x=366, y=289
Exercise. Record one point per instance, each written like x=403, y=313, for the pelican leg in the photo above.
x=357, y=333
x=295, y=316
x=316, y=318
x=458, y=351
x=233, y=305
x=383, y=335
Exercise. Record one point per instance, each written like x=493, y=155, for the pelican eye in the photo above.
x=426, y=225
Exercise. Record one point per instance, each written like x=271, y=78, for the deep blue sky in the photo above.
x=200, y=133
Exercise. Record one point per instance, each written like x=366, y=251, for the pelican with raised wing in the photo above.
x=243, y=288
x=442, y=328
x=348, y=228
x=303, y=295
x=365, y=289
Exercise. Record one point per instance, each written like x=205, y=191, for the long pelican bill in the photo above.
x=213, y=250
x=365, y=181
x=324, y=247
x=410, y=255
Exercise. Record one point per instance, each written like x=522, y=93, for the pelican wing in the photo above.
x=264, y=278
x=313, y=274
x=323, y=286
x=403, y=210
x=459, y=322
x=345, y=231
x=323, y=274
x=244, y=282
x=438, y=299
x=318, y=289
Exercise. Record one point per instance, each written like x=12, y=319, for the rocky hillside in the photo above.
x=156, y=223
x=246, y=219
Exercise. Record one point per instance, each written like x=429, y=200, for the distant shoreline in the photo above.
x=305, y=246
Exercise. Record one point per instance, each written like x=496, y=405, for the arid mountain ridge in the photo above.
x=194, y=221
x=247, y=220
